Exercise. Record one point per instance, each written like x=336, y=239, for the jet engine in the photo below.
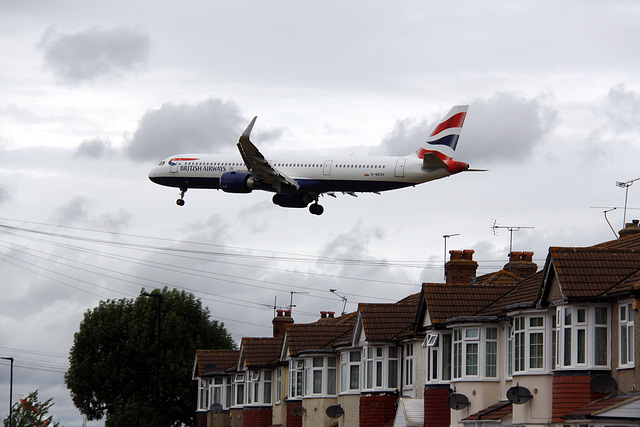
x=236, y=182
x=291, y=200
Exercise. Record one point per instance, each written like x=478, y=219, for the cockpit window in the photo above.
x=161, y=163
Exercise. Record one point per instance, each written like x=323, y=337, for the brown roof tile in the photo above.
x=221, y=359
x=596, y=407
x=384, y=322
x=259, y=352
x=588, y=272
x=446, y=301
x=495, y=412
x=320, y=335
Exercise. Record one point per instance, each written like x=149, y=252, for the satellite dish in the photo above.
x=603, y=383
x=457, y=401
x=518, y=395
x=298, y=411
x=210, y=368
x=216, y=408
x=335, y=411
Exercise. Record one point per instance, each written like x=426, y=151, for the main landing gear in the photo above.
x=180, y=201
x=316, y=209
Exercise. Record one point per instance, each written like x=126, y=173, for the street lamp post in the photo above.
x=10, y=359
x=159, y=297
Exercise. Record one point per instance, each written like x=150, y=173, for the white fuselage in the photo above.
x=314, y=174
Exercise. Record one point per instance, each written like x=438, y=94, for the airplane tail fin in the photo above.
x=437, y=150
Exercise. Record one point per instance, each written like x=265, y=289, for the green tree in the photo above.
x=29, y=412
x=112, y=363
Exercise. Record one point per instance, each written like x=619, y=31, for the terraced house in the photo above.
x=523, y=347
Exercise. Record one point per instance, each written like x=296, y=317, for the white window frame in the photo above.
x=203, y=394
x=626, y=330
x=408, y=364
x=576, y=335
x=378, y=363
x=296, y=378
x=321, y=376
x=470, y=353
x=239, y=390
x=439, y=357
x=350, y=367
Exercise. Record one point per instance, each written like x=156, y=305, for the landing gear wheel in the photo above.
x=180, y=201
x=316, y=209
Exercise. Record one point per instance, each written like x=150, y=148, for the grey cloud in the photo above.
x=4, y=194
x=623, y=109
x=505, y=127
x=212, y=124
x=95, y=148
x=95, y=53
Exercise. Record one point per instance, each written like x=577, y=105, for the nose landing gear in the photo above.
x=180, y=201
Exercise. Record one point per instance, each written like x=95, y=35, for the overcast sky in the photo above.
x=94, y=94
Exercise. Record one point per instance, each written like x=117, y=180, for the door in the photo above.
x=326, y=170
x=400, y=168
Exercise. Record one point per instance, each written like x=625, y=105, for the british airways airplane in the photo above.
x=299, y=182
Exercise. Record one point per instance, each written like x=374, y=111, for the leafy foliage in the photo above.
x=29, y=412
x=112, y=363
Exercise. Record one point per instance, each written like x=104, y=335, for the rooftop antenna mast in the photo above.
x=511, y=228
x=445, y=237
x=626, y=186
x=291, y=304
x=275, y=306
x=344, y=300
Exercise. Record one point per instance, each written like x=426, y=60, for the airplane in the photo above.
x=299, y=182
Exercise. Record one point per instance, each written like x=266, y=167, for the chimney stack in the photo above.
x=630, y=229
x=461, y=269
x=521, y=264
x=281, y=323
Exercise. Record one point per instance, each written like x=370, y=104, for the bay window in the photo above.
x=582, y=337
x=381, y=367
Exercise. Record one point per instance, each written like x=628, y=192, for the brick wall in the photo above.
x=258, y=417
x=201, y=419
x=571, y=391
x=377, y=410
x=436, y=410
x=293, y=420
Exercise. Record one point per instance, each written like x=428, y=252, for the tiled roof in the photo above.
x=220, y=359
x=384, y=322
x=258, y=352
x=321, y=335
x=447, y=301
x=588, y=272
x=524, y=293
x=494, y=412
x=597, y=407
x=629, y=242
x=501, y=277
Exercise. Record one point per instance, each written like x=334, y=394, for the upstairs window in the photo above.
x=381, y=368
x=582, y=337
x=626, y=321
x=350, y=369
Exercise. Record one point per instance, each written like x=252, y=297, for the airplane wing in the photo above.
x=258, y=165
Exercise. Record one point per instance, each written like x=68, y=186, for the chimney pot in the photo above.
x=331, y=314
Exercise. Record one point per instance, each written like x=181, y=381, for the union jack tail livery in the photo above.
x=444, y=137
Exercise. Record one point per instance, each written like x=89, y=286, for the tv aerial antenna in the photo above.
x=626, y=186
x=445, y=237
x=608, y=209
x=275, y=306
x=511, y=228
x=344, y=300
